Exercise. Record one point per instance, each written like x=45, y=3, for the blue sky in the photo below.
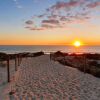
x=15, y=14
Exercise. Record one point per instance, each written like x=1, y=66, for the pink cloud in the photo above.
x=36, y=28
x=28, y=27
x=66, y=5
x=62, y=13
x=94, y=4
x=47, y=26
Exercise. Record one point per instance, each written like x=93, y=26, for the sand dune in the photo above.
x=41, y=79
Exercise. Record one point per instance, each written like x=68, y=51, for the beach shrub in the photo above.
x=81, y=68
x=93, y=70
x=98, y=72
x=58, y=54
x=38, y=54
x=94, y=63
x=2, y=64
x=3, y=56
x=64, y=62
x=93, y=56
x=79, y=62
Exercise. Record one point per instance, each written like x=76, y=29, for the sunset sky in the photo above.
x=49, y=22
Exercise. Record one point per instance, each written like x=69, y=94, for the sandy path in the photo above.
x=41, y=79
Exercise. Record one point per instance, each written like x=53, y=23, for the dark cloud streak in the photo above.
x=29, y=22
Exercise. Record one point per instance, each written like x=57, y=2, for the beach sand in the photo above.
x=40, y=78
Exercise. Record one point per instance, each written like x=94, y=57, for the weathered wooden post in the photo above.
x=21, y=57
x=50, y=55
x=15, y=62
x=84, y=62
x=8, y=69
x=64, y=60
x=18, y=58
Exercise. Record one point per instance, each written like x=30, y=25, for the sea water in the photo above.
x=48, y=48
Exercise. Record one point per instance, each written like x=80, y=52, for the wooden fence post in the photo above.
x=8, y=70
x=15, y=62
x=50, y=55
x=84, y=62
x=18, y=59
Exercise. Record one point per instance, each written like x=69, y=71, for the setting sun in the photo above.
x=77, y=43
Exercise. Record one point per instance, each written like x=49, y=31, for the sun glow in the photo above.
x=77, y=44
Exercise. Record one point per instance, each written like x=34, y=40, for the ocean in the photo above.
x=50, y=48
